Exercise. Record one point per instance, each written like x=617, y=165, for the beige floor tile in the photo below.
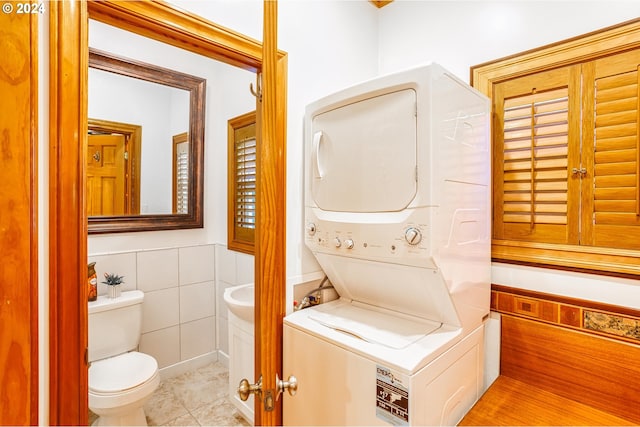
x=195, y=398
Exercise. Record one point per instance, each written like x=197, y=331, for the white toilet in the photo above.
x=121, y=380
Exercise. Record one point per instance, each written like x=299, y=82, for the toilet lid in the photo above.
x=121, y=372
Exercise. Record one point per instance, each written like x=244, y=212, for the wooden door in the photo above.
x=18, y=218
x=270, y=263
x=106, y=175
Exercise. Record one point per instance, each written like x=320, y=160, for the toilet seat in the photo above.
x=121, y=373
x=122, y=380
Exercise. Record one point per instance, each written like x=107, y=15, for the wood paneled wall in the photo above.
x=549, y=344
x=18, y=217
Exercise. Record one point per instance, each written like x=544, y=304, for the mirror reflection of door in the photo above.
x=113, y=168
x=181, y=173
x=105, y=175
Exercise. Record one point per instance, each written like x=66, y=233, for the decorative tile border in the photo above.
x=612, y=324
x=619, y=323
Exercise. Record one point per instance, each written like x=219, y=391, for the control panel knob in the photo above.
x=348, y=244
x=413, y=236
x=311, y=229
x=337, y=242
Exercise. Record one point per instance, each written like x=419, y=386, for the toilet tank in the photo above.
x=115, y=324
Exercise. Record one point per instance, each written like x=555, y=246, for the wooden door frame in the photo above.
x=68, y=374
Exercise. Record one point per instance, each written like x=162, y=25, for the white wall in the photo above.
x=460, y=34
x=330, y=45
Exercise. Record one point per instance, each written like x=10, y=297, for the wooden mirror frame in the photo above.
x=68, y=69
x=196, y=87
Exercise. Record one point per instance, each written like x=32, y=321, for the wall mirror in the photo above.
x=136, y=174
x=148, y=127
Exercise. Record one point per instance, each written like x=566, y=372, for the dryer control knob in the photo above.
x=337, y=242
x=348, y=244
x=413, y=236
x=311, y=229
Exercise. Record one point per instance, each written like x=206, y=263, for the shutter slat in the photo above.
x=616, y=181
x=615, y=168
x=538, y=197
x=622, y=193
x=616, y=143
x=538, y=219
x=615, y=156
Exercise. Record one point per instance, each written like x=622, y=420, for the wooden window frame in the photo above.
x=591, y=46
x=241, y=240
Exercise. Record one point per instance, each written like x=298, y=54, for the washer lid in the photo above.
x=373, y=326
x=121, y=372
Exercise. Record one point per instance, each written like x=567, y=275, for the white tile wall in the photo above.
x=197, y=301
x=179, y=309
x=196, y=338
x=196, y=264
x=161, y=309
x=163, y=344
x=157, y=269
x=121, y=264
x=183, y=314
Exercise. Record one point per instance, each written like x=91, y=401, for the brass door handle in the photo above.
x=245, y=389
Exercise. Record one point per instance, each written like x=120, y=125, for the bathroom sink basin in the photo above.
x=240, y=301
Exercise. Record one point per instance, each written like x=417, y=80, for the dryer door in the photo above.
x=363, y=154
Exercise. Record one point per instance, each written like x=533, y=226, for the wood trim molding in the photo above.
x=617, y=38
x=68, y=372
x=19, y=220
x=597, y=44
x=611, y=321
x=380, y=3
x=158, y=20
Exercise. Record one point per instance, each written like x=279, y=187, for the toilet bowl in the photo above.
x=121, y=379
x=120, y=386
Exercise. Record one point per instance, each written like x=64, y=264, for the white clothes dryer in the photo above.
x=397, y=213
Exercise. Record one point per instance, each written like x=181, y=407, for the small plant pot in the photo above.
x=113, y=291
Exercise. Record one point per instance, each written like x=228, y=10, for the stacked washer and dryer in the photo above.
x=397, y=214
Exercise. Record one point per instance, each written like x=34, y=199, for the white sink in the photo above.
x=240, y=301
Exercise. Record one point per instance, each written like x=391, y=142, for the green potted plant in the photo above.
x=113, y=282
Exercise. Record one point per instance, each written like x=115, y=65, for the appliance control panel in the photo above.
x=402, y=241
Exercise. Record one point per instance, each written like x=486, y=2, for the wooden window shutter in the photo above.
x=616, y=204
x=181, y=173
x=242, y=183
x=536, y=143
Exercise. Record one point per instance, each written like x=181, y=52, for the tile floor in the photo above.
x=195, y=398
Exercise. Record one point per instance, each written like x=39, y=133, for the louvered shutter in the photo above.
x=245, y=194
x=535, y=146
x=616, y=206
x=242, y=183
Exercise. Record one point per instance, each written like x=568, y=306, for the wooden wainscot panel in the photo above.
x=592, y=370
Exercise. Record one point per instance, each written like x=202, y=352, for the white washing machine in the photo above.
x=397, y=213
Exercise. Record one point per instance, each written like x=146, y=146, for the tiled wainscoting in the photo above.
x=184, y=316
